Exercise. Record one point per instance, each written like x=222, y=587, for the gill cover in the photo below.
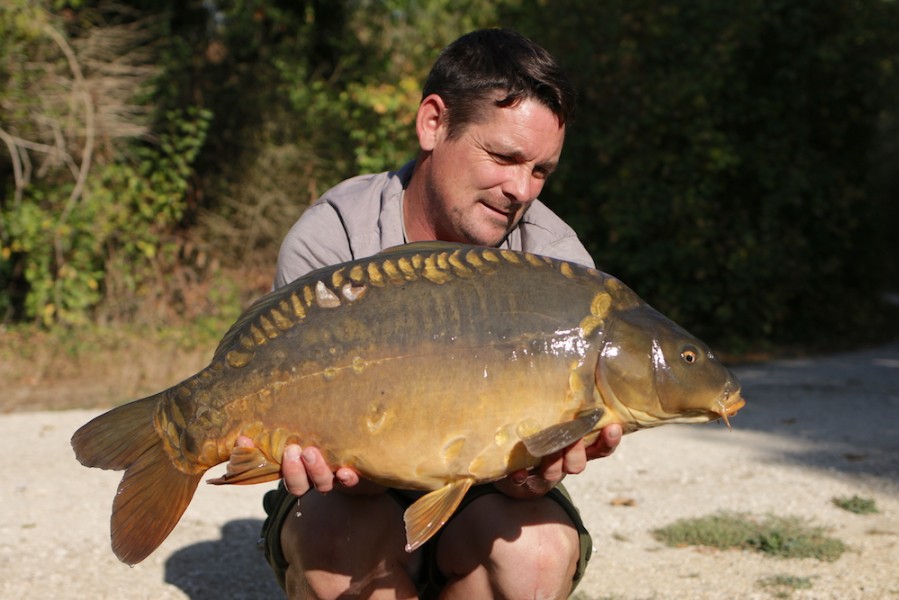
x=654, y=371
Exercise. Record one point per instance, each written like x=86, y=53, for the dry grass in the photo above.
x=94, y=368
x=174, y=331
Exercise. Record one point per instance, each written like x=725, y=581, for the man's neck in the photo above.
x=418, y=228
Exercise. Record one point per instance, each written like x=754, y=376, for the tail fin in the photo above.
x=153, y=493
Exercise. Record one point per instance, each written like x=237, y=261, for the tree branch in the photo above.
x=88, y=119
x=18, y=172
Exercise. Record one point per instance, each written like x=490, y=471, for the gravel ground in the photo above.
x=812, y=430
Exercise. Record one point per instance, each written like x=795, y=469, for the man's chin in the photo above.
x=491, y=239
x=486, y=231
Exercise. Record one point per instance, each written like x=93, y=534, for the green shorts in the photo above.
x=279, y=503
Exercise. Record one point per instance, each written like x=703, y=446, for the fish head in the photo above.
x=650, y=371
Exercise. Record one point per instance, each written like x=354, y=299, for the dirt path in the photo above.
x=812, y=430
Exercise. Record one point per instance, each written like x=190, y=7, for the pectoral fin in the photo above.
x=555, y=438
x=429, y=513
x=248, y=465
x=424, y=247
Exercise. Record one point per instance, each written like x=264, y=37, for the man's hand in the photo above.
x=605, y=444
x=304, y=469
x=553, y=468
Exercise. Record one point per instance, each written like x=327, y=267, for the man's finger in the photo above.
x=347, y=477
x=317, y=470
x=575, y=459
x=294, y=471
x=552, y=468
x=605, y=444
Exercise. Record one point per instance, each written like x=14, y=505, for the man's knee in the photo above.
x=542, y=562
x=340, y=544
x=517, y=548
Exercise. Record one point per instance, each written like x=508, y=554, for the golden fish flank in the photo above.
x=376, y=417
x=430, y=366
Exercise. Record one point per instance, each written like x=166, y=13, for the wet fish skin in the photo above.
x=430, y=367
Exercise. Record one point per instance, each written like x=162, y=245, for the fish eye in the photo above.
x=690, y=355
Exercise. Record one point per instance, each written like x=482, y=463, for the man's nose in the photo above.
x=521, y=186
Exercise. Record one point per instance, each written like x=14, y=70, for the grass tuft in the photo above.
x=856, y=504
x=781, y=537
x=783, y=586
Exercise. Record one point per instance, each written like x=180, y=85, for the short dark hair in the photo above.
x=471, y=69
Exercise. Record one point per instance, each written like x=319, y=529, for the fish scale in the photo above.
x=431, y=366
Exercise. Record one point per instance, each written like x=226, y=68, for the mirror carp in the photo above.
x=430, y=366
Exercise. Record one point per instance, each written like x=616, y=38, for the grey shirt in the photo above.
x=364, y=215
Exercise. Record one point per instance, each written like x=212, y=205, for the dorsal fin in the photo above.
x=428, y=247
x=266, y=303
x=274, y=298
x=260, y=306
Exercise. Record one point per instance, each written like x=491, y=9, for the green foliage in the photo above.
x=721, y=161
x=730, y=161
x=55, y=257
x=127, y=214
x=305, y=94
x=20, y=20
x=781, y=537
x=383, y=123
x=92, y=191
x=378, y=109
x=332, y=85
x=856, y=504
x=783, y=586
x=364, y=100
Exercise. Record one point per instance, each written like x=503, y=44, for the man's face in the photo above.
x=482, y=181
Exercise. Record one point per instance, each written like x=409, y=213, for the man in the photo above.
x=491, y=126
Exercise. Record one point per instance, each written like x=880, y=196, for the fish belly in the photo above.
x=421, y=421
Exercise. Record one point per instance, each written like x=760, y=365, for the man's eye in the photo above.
x=503, y=158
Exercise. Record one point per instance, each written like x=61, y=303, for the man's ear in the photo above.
x=430, y=121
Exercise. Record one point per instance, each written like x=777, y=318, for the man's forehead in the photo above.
x=527, y=114
x=492, y=106
x=527, y=136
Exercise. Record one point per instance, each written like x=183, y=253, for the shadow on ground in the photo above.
x=838, y=412
x=230, y=567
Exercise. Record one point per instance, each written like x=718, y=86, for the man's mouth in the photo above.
x=504, y=215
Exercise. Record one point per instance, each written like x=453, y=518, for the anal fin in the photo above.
x=430, y=512
x=246, y=466
x=555, y=438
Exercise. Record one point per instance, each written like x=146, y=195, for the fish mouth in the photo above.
x=729, y=404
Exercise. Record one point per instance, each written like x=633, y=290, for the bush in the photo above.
x=722, y=160
x=98, y=180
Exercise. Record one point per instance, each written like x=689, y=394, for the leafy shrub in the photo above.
x=722, y=162
x=125, y=216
